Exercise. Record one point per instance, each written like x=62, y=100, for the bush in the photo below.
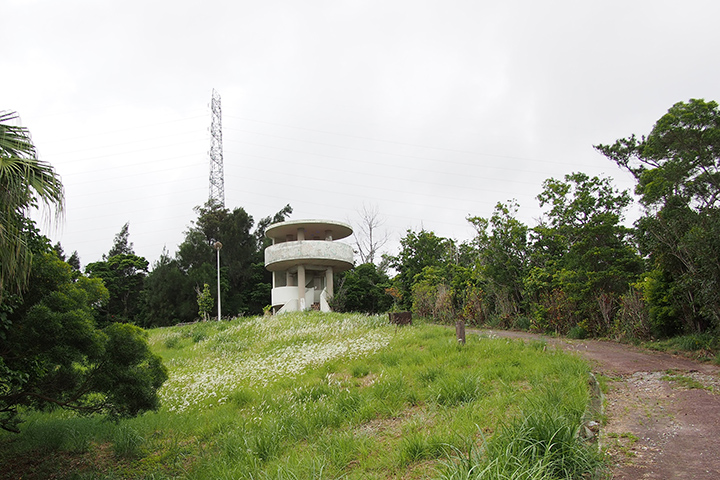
x=578, y=331
x=423, y=299
x=473, y=311
x=695, y=342
x=555, y=313
x=632, y=320
x=54, y=354
x=521, y=322
x=362, y=290
x=433, y=301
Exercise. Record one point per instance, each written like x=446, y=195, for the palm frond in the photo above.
x=24, y=180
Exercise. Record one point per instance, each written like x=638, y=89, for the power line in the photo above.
x=395, y=142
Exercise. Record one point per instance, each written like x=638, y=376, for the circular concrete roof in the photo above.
x=313, y=229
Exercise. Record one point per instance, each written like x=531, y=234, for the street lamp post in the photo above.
x=218, y=246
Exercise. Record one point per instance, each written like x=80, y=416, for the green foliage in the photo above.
x=698, y=345
x=245, y=284
x=579, y=331
x=696, y=342
x=678, y=180
x=168, y=298
x=424, y=297
x=632, y=321
x=205, y=302
x=573, y=270
x=446, y=293
x=129, y=374
x=123, y=275
x=56, y=356
x=583, y=260
x=419, y=446
x=417, y=251
x=127, y=443
x=453, y=390
x=362, y=289
x=24, y=180
x=678, y=159
x=503, y=250
x=432, y=297
x=121, y=243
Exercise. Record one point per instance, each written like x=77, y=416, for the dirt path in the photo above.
x=663, y=412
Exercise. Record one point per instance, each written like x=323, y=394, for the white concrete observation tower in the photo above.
x=303, y=258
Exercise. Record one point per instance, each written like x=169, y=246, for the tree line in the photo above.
x=167, y=293
x=580, y=270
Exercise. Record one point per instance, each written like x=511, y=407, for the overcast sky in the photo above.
x=428, y=110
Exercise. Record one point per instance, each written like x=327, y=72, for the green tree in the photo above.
x=205, y=302
x=123, y=276
x=123, y=273
x=678, y=160
x=503, y=251
x=245, y=283
x=168, y=295
x=677, y=169
x=74, y=260
x=121, y=243
x=194, y=251
x=583, y=258
x=446, y=293
x=197, y=255
x=53, y=355
x=24, y=180
x=431, y=295
x=265, y=222
x=417, y=251
x=362, y=289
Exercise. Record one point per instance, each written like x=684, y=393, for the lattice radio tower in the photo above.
x=217, y=177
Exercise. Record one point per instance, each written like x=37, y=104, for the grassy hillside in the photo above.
x=329, y=396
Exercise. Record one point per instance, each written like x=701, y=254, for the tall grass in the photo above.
x=542, y=442
x=333, y=396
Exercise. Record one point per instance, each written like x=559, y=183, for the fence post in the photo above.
x=460, y=331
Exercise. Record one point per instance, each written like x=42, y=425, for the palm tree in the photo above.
x=24, y=180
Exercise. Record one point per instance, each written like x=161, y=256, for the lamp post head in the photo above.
x=217, y=246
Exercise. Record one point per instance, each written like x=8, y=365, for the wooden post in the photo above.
x=460, y=331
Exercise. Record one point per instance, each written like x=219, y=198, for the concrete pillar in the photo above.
x=288, y=278
x=301, y=234
x=329, y=281
x=301, y=287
